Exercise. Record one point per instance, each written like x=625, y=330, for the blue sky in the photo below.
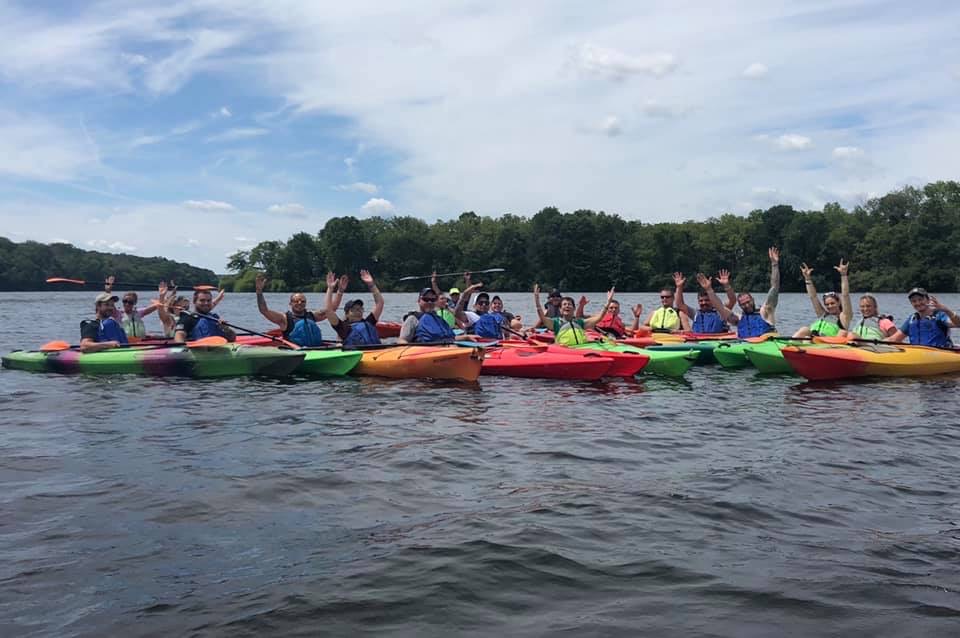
x=196, y=128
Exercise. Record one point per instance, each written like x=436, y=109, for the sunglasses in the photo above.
x=428, y=299
x=666, y=296
x=483, y=303
x=128, y=301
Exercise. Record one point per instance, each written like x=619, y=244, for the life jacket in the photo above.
x=753, y=325
x=568, y=333
x=665, y=318
x=109, y=330
x=612, y=323
x=304, y=330
x=133, y=325
x=708, y=322
x=489, y=325
x=869, y=328
x=929, y=331
x=206, y=326
x=431, y=328
x=827, y=326
x=448, y=316
x=362, y=333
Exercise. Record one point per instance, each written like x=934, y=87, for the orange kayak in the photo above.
x=416, y=362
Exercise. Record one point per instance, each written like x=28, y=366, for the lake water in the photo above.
x=727, y=504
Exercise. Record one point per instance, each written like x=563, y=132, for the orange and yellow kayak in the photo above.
x=824, y=362
x=430, y=362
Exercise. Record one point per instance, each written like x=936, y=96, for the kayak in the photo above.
x=625, y=362
x=824, y=362
x=216, y=361
x=537, y=364
x=328, y=363
x=704, y=350
x=677, y=337
x=663, y=363
x=414, y=362
x=733, y=354
x=767, y=356
x=387, y=329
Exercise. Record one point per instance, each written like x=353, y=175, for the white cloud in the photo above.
x=358, y=187
x=292, y=210
x=614, y=63
x=209, y=205
x=755, y=70
x=133, y=59
x=350, y=162
x=242, y=239
x=652, y=108
x=198, y=47
x=764, y=190
x=847, y=152
x=193, y=243
x=793, y=142
x=234, y=134
x=378, y=206
x=225, y=112
x=611, y=126
x=115, y=246
x=36, y=148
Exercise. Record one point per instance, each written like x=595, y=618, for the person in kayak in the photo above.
x=751, y=322
x=610, y=322
x=298, y=324
x=426, y=326
x=355, y=329
x=104, y=332
x=666, y=318
x=930, y=324
x=835, y=314
x=493, y=324
x=872, y=324
x=568, y=329
x=203, y=322
x=512, y=321
x=443, y=309
x=707, y=319
x=170, y=313
x=130, y=317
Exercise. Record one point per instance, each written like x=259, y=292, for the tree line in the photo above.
x=905, y=238
x=27, y=265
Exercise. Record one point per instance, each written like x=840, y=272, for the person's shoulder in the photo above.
x=371, y=319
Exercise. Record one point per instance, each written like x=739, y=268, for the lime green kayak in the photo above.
x=704, y=349
x=328, y=363
x=768, y=358
x=217, y=361
x=666, y=363
x=732, y=354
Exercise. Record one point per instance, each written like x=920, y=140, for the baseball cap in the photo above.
x=917, y=291
x=554, y=293
x=350, y=304
x=424, y=291
x=106, y=296
x=454, y=291
x=483, y=295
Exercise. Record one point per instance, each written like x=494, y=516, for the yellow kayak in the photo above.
x=411, y=362
x=881, y=360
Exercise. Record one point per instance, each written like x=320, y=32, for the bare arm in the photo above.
x=271, y=315
x=847, y=312
x=768, y=311
x=807, y=272
x=544, y=320
x=433, y=282
x=330, y=308
x=637, y=313
x=684, y=321
x=367, y=278
x=954, y=317
x=458, y=311
x=897, y=337
x=679, y=280
x=590, y=322
x=724, y=278
x=728, y=315
x=216, y=300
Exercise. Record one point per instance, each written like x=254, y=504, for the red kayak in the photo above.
x=387, y=329
x=535, y=364
x=625, y=364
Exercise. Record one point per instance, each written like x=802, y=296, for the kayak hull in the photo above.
x=416, y=362
x=217, y=361
x=662, y=363
x=537, y=364
x=704, y=350
x=732, y=355
x=626, y=361
x=328, y=363
x=830, y=362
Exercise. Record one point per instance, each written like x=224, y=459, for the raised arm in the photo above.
x=330, y=304
x=458, y=311
x=724, y=278
x=637, y=313
x=768, y=310
x=728, y=315
x=271, y=315
x=544, y=320
x=220, y=295
x=367, y=278
x=847, y=312
x=684, y=321
x=679, y=280
x=590, y=322
x=954, y=317
x=818, y=308
x=433, y=282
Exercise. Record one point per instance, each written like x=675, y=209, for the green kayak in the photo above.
x=217, y=361
x=704, y=350
x=328, y=363
x=666, y=363
x=732, y=354
x=768, y=358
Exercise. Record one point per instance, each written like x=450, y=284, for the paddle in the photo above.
x=206, y=342
x=451, y=274
x=520, y=334
x=289, y=344
x=125, y=284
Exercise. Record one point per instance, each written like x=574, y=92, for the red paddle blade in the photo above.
x=207, y=342
x=63, y=280
x=204, y=287
x=54, y=346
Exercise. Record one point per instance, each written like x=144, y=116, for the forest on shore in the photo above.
x=908, y=237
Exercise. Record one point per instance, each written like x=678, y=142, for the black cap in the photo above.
x=426, y=290
x=554, y=293
x=917, y=291
x=483, y=295
x=350, y=304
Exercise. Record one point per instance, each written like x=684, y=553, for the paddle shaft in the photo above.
x=452, y=274
x=122, y=284
x=247, y=330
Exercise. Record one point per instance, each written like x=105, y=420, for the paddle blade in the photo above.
x=207, y=342
x=840, y=340
x=54, y=346
x=63, y=280
x=204, y=287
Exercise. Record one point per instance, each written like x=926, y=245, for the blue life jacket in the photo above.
x=206, y=326
x=432, y=328
x=489, y=325
x=109, y=330
x=708, y=322
x=362, y=333
x=753, y=325
x=304, y=330
x=929, y=331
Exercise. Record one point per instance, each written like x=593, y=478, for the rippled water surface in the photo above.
x=727, y=505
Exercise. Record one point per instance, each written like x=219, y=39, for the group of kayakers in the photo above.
x=442, y=317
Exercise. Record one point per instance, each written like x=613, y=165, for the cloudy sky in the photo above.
x=190, y=129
